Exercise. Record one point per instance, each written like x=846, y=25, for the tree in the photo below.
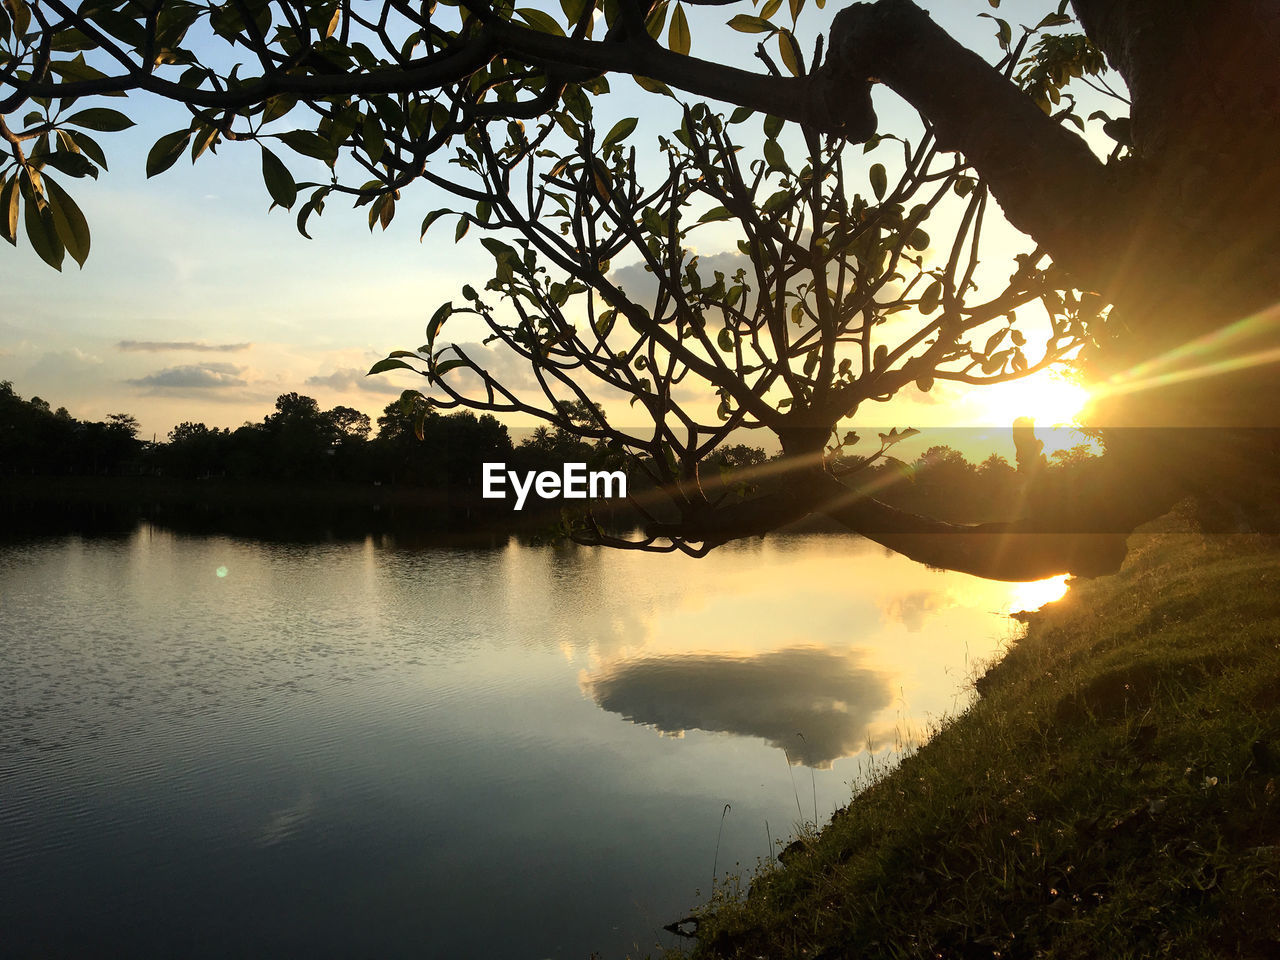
x=1146, y=262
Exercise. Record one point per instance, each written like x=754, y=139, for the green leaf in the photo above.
x=715, y=213
x=21, y=16
x=653, y=86
x=774, y=156
x=9, y=204
x=769, y=9
x=166, y=151
x=745, y=23
x=204, y=139
x=100, y=118
x=464, y=224
x=88, y=146
x=278, y=179
x=437, y=321
x=1053, y=20
x=310, y=144
x=725, y=340
x=931, y=297
x=371, y=136
x=429, y=219
x=679, y=39
x=42, y=233
x=72, y=164
x=440, y=369
x=789, y=50
x=621, y=130
x=540, y=21
x=68, y=222
x=879, y=180
x=772, y=125
x=390, y=363
x=574, y=9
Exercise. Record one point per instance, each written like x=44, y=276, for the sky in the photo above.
x=198, y=304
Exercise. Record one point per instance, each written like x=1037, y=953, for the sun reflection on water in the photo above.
x=1035, y=594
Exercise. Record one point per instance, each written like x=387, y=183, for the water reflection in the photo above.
x=357, y=749
x=814, y=703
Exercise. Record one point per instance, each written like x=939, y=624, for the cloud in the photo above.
x=911, y=609
x=193, y=376
x=158, y=346
x=353, y=378
x=60, y=363
x=816, y=704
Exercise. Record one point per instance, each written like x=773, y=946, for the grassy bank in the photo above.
x=1114, y=792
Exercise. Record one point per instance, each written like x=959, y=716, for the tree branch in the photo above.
x=1047, y=181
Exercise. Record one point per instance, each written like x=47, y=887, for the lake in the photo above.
x=213, y=746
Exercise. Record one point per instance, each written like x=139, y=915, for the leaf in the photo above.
x=166, y=151
x=1053, y=20
x=464, y=224
x=278, y=179
x=993, y=341
x=437, y=321
x=100, y=118
x=72, y=164
x=679, y=40
x=789, y=50
x=9, y=204
x=440, y=369
x=653, y=86
x=21, y=16
x=68, y=221
x=879, y=180
x=203, y=140
x=931, y=297
x=964, y=186
x=41, y=233
x=769, y=9
x=540, y=21
x=371, y=137
x=389, y=363
x=796, y=7
x=725, y=340
x=745, y=23
x=774, y=155
x=715, y=213
x=621, y=130
x=88, y=146
x=772, y=126
x=429, y=219
x=310, y=144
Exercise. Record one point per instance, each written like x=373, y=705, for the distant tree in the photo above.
x=350, y=423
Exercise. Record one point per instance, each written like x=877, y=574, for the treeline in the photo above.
x=299, y=443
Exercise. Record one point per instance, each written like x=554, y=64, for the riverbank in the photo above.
x=1114, y=792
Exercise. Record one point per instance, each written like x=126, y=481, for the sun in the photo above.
x=1048, y=399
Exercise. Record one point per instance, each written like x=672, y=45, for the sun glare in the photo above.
x=1050, y=401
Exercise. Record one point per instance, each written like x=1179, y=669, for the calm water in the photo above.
x=216, y=747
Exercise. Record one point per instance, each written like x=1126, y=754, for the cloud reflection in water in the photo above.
x=827, y=697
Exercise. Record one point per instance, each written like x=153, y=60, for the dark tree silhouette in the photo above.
x=1157, y=260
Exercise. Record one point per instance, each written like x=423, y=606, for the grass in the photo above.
x=1113, y=792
